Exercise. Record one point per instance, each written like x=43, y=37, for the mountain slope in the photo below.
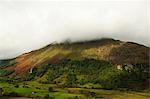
x=115, y=51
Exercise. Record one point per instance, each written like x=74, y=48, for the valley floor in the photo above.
x=37, y=90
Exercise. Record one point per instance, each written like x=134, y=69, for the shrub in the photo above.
x=13, y=94
x=71, y=80
x=50, y=89
x=76, y=97
x=16, y=86
x=5, y=72
x=48, y=97
x=110, y=78
x=6, y=63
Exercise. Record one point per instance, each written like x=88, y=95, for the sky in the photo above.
x=26, y=25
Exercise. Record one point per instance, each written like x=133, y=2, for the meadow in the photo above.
x=34, y=89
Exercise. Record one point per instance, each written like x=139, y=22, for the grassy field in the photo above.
x=35, y=89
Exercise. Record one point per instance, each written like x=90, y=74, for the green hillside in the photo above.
x=89, y=66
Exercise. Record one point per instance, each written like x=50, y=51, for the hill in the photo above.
x=81, y=63
x=117, y=52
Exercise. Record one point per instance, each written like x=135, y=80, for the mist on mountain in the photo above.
x=26, y=26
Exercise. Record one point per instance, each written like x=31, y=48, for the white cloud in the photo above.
x=28, y=25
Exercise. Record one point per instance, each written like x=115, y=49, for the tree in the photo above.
x=71, y=80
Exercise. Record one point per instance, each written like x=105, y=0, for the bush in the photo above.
x=71, y=80
x=16, y=86
x=76, y=97
x=93, y=94
x=48, y=97
x=6, y=63
x=13, y=94
x=110, y=78
x=5, y=72
x=50, y=89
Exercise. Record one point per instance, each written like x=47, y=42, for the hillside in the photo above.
x=116, y=51
x=77, y=70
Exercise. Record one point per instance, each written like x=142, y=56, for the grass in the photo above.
x=40, y=90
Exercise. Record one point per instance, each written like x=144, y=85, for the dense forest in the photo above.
x=87, y=73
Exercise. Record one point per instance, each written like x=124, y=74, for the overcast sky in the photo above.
x=28, y=25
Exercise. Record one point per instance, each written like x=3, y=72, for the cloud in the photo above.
x=28, y=25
